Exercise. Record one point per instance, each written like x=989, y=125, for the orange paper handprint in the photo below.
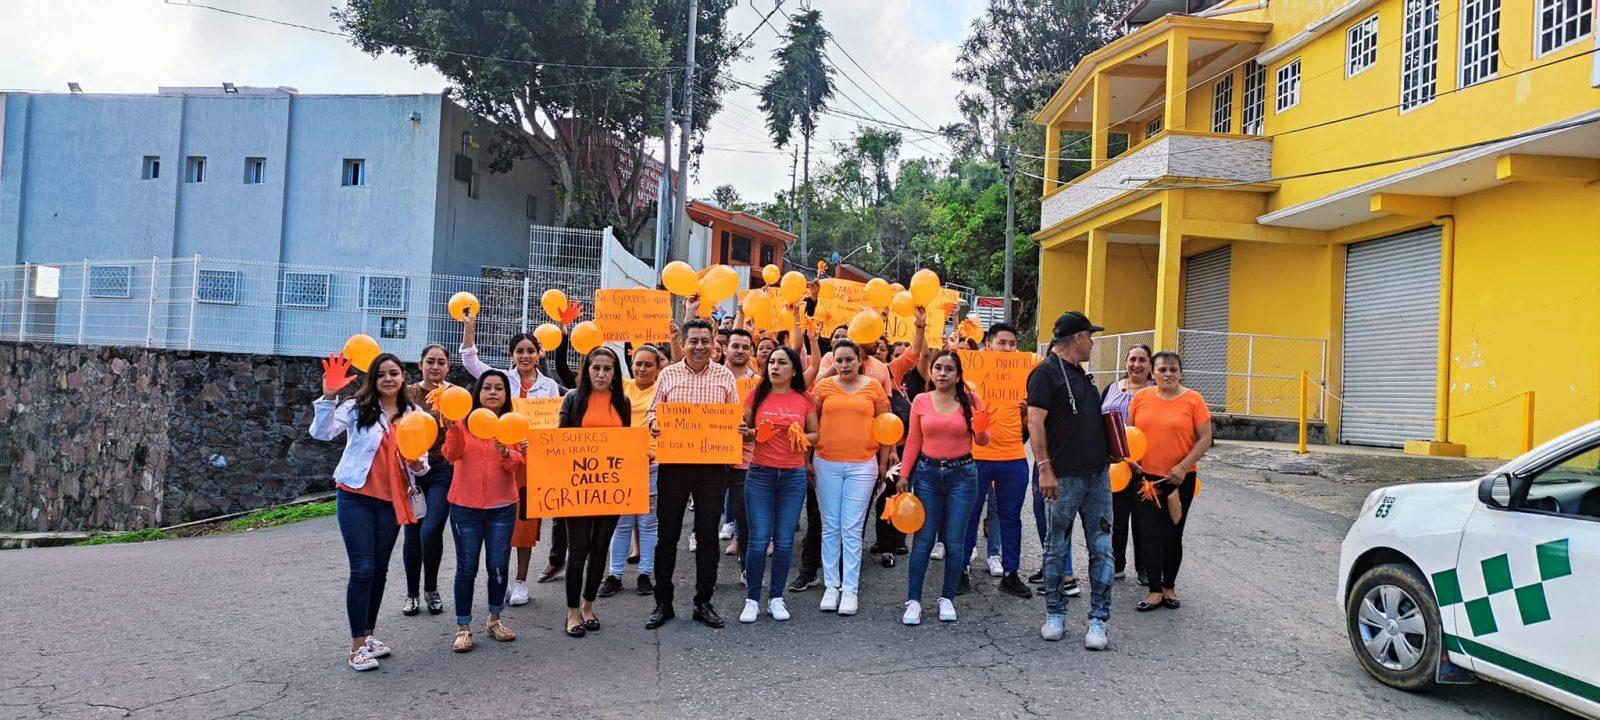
x=335, y=373
x=797, y=438
x=981, y=420
x=571, y=313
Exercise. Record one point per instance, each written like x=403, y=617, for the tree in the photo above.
x=583, y=80
x=727, y=197
x=796, y=92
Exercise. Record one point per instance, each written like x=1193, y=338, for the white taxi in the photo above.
x=1494, y=578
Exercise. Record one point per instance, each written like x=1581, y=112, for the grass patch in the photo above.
x=272, y=517
x=134, y=536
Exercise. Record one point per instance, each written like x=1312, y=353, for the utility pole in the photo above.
x=1010, y=160
x=805, y=183
x=680, y=215
x=665, y=206
x=794, y=168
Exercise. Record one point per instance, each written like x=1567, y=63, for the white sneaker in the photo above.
x=727, y=531
x=1095, y=639
x=519, y=593
x=361, y=661
x=777, y=609
x=995, y=568
x=376, y=648
x=752, y=610
x=938, y=551
x=1071, y=587
x=947, y=610
x=830, y=600
x=913, y=614
x=693, y=544
x=849, y=603
x=1054, y=626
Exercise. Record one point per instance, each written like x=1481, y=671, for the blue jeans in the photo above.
x=424, y=541
x=369, y=530
x=1087, y=497
x=488, y=530
x=1005, y=483
x=1041, y=520
x=622, y=539
x=947, y=496
x=773, y=498
x=844, y=492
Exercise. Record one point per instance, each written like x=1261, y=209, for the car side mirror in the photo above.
x=1495, y=491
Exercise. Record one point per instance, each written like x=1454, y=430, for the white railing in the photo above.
x=1237, y=373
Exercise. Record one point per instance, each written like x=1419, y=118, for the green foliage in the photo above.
x=799, y=87
x=272, y=517
x=132, y=536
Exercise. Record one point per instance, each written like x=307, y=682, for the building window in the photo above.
x=1419, y=54
x=383, y=292
x=1289, y=86
x=152, y=168
x=218, y=286
x=1361, y=46
x=306, y=289
x=355, y=172
x=255, y=170
x=1480, y=40
x=1152, y=128
x=1255, y=99
x=195, y=169
x=111, y=281
x=741, y=249
x=1222, y=105
x=766, y=254
x=530, y=209
x=1562, y=22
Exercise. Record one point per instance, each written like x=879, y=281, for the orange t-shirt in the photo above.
x=844, y=421
x=1168, y=425
x=600, y=413
x=1005, y=435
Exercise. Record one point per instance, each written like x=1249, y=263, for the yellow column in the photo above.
x=1094, y=277
x=1176, y=92
x=1169, y=265
x=1100, y=126
x=1052, y=153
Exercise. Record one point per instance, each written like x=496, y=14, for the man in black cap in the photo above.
x=1068, y=438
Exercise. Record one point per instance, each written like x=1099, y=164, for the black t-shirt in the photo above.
x=1075, y=435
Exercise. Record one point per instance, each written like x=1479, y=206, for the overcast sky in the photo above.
x=908, y=46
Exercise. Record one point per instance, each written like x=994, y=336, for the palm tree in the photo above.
x=797, y=90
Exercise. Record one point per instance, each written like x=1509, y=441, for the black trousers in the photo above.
x=1121, y=514
x=1159, y=541
x=588, y=554
x=887, y=539
x=811, y=545
x=741, y=521
x=558, y=541
x=675, y=485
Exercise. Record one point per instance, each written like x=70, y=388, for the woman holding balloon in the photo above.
x=372, y=482
x=1115, y=399
x=424, y=541
x=1176, y=425
x=597, y=402
x=483, y=502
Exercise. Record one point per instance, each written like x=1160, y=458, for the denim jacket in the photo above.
x=360, y=445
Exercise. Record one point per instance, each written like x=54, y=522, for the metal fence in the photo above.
x=1237, y=373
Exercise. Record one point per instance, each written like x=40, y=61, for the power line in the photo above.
x=752, y=34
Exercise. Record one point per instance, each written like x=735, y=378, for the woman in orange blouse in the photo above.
x=848, y=463
x=597, y=402
x=1177, y=427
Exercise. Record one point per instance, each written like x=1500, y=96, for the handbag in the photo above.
x=419, y=501
x=1116, y=435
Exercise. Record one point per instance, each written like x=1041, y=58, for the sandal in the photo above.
x=1146, y=606
x=576, y=631
x=463, y=641
x=500, y=632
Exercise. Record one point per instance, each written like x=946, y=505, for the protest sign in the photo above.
x=901, y=326
x=541, y=412
x=699, y=434
x=638, y=315
x=581, y=472
x=837, y=302
x=1002, y=377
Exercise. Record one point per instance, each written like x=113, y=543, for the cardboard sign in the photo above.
x=699, y=434
x=901, y=326
x=837, y=302
x=542, y=413
x=580, y=472
x=638, y=316
x=1002, y=377
x=747, y=385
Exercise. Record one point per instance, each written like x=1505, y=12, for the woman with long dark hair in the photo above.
x=424, y=541
x=597, y=402
x=945, y=423
x=1115, y=399
x=483, y=509
x=371, y=482
x=1177, y=429
x=775, y=487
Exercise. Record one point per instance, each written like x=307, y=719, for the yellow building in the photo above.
x=1401, y=197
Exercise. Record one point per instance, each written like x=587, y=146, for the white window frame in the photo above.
x=96, y=285
x=1254, y=101
x=1575, y=26
x=1361, y=46
x=1286, y=91
x=255, y=171
x=1476, y=14
x=194, y=169
x=1222, y=105
x=296, y=276
x=232, y=297
x=1419, y=54
x=151, y=168
x=367, y=286
x=1152, y=128
x=353, y=172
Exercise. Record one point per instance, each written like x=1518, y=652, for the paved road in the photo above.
x=250, y=626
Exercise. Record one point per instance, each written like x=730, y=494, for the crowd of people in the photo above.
x=809, y=442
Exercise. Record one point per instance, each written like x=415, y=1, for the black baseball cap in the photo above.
x=1071, y=323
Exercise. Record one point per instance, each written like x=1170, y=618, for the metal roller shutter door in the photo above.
x=1205, y=308
x=1391, y=338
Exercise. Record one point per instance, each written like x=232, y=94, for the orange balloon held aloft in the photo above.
x=415, y=433
x=1121, y=474
x=554, y=303
x=361, y=349
x=879, y=293
x=910, y=515
x=902, y=305
x=758, y=307
x=483, y=424
x=887, y=429
x=866, y=327
x=680, y=279
x=793, y=287
x=770, y=274
x=455, y=403
x=924, y=287
x=463, y=304
x=897, y=287
x=586, y=336
x=548, y=335
x=1137, y=444
x=513, y=428
x=783, y=320
x=720, y=283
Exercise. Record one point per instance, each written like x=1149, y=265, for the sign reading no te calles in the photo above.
x=580, y=472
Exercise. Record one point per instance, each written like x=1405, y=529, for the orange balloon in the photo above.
x=361, y=349
x=455, y=403
x=1196, y=488
x=680, y=279
x=897, y=287
x=1121, y=475
x=720, y=283
x=887, y=429
x=866, y=327
x=587, y=336
x=554, y=303
x=770, y=274
x=758, y=307
x=783, y=320
x=902, y=305
x=924, y=287
x=1137, y=444
x=548, y=335
x=910, y=515
x=415, y=433
x=483, y=423
x=513, y=429
x=463, y=304
x=879, y=293
x=793, y=287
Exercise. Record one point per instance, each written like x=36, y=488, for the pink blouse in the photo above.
x=936, y=435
